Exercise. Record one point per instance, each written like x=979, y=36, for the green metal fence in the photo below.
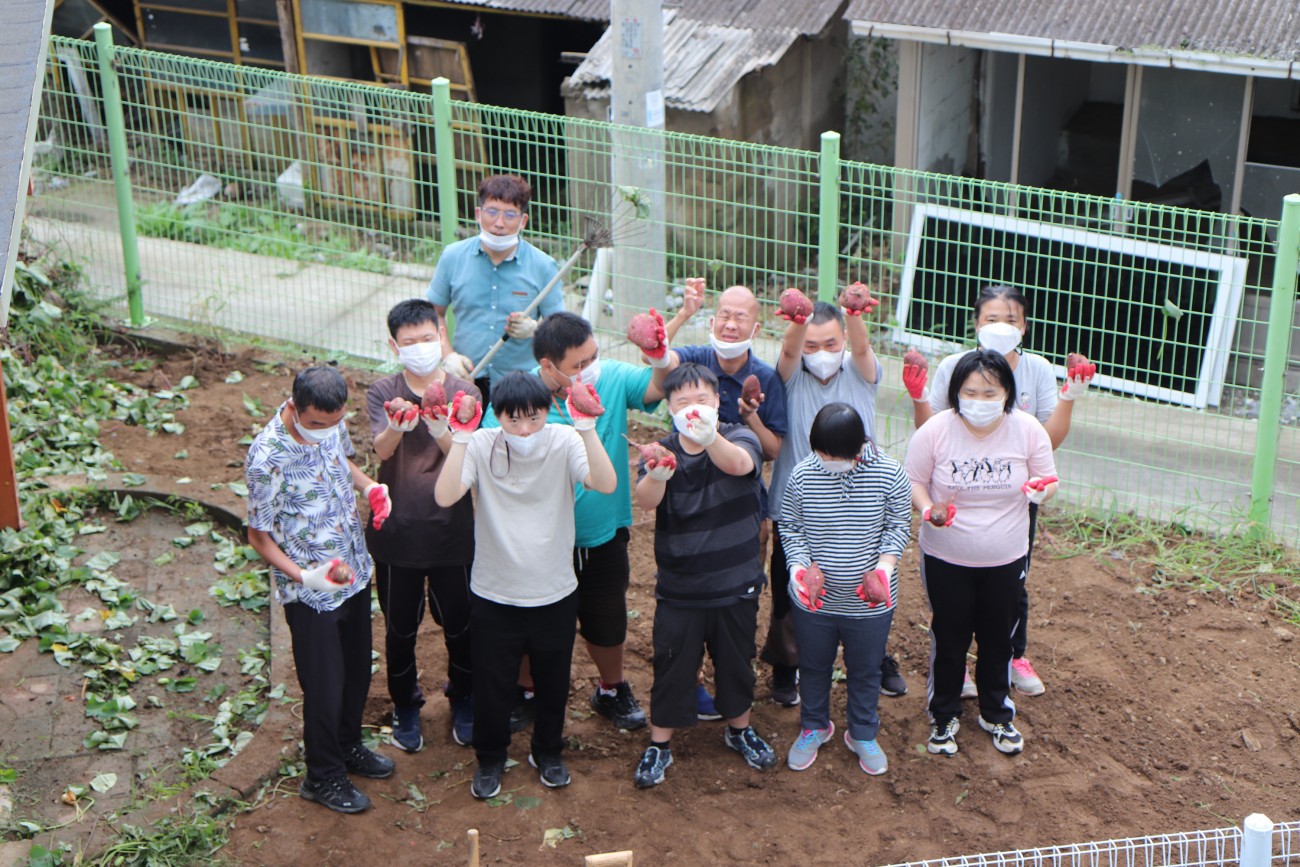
x=317, y=204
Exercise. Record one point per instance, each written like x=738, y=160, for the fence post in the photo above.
x=828, y=233
x=444, y=152
x=1277, y=349
x=1256, y=841
x=115, y=119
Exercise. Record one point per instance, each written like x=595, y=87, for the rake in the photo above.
x=597, y=234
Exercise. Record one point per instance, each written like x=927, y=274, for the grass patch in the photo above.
x=1164, y=555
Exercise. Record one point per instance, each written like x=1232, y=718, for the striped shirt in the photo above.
x=843, y=522
x=706, y=528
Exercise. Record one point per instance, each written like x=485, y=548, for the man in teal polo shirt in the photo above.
x=567, y=354
x=489, y=280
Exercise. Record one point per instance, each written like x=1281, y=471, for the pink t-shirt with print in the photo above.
x=983, y=476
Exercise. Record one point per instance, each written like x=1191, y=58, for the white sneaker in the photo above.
x=968, y=689
x=1005, y=736
x=1024, y=678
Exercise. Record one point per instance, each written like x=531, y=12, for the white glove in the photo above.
x=520, y=327
x=1075, y=387
x=661, y=473
x=458, y=365
x=318, y=578
x=438, y=427
x=1035, y=490
x=704, y=427
x=397, y=421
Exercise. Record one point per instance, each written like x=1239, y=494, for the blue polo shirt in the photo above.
x=481, y=295
x=621, y=387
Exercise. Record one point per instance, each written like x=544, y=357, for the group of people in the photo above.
x=539, y=554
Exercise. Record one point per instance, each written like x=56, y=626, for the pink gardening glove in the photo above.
x=381, y=505
x=874, y=589
x=809, y=585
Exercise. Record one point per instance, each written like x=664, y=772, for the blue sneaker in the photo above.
x=406, y=734
x=650, y=770
x=757, y=754
x=704, y=708
x=871, y=758
x=462, y=720
x=804, y=751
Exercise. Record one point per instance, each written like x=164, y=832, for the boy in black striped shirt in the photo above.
x=710, y=574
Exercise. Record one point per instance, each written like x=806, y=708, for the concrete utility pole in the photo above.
x=637, y=105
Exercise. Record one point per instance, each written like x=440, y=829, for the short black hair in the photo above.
x=558, y=333
x=988, y=362
x=412, y=311
x=511, y=189
x=688, y=374
x=1006, y=293
x=837, y=431
x=519, y=393
x=321, y=387
x=825, y=312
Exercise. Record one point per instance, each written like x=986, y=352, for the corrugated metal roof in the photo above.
x=1266, y=29
x=808, y=17
x=702, y=62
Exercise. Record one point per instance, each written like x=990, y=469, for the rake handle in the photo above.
x=529, y=310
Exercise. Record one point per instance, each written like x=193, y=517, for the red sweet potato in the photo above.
x=654, y=454
x=856, y=298
x=434, y=402
x=750, y=390
x=795, y=304
x=913, y=357
x=875, y=588
x=939, y=514
x=468, y=407
x=584, y=399
x=643, y=330
x=340, y=573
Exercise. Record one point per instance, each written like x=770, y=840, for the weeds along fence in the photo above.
x=297, y=210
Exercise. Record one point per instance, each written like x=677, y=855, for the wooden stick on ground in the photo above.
x=609, y=859
x=472, y=834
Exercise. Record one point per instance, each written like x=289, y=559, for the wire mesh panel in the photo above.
x=1220, y=846
x=299, y=209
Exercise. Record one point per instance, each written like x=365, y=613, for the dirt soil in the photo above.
x=1165, y=711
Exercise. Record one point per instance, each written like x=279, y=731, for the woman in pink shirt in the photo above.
x=974, y=469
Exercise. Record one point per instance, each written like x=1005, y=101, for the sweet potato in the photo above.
x=654, y=454
x=875, y=589
x=750, y=390
x=585, y=400
x=856, y=298
x=468, y=407
x=795, y=304
x=401, y=410
x=340, y=573
x=643, y=330
x=915, y=358
x=434, y=402
x=939, y=514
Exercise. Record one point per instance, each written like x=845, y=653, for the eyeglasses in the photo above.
x=493, y=213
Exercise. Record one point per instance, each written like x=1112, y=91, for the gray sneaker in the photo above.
x=871, y=758
x=804, y=751
x=758, y=755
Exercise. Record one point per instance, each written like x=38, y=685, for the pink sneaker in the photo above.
x=968, y=689
x=1024, y=678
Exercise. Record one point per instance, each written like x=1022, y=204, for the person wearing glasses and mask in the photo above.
x=1001, y=316
x=730, y=357
x=825, y=359
x=424, y=552
x=489, y=280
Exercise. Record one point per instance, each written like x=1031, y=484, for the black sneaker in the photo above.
x=551, y=769
x=650, y=770
x=891, y=681
x=462, y=720
x=758, y=755
x=406, y=734
x=785, y=685
x=621, y=708
x=487, y=780
x=525, y=708
x=367, y=763
x=337, y=793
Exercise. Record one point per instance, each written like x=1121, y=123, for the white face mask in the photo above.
x=981, y=413
x=1001, y=337
x=498, y=243
x=523, y=446
x=589, y=374
x=823, y=363
x=420, y=358
x=729, y=351
x=707, y=413
x=831, y=466
x=313, y=435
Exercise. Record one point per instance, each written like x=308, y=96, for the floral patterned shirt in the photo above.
x=302, y=496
